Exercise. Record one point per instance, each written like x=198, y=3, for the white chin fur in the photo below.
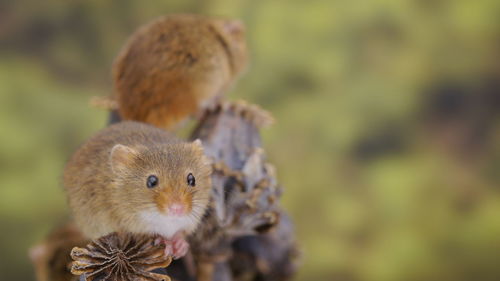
x=165, y=225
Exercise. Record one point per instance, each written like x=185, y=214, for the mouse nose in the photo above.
x=176, y=209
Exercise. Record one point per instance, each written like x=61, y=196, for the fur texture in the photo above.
x=106, y=181
x=176, y=66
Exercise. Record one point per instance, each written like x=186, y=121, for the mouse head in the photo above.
x=168, y=179
x=231, y=34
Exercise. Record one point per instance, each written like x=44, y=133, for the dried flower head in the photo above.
x=123, y=257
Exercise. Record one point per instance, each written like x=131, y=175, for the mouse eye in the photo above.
x=191, y=180
x=152, y=181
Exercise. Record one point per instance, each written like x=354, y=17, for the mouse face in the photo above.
x=167, y=183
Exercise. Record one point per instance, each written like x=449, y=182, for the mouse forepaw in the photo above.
x=180, y=248
x=176, y=247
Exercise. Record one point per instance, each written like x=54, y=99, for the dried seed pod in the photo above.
x=252, y=113
x=244, y=188
x=273, y=255
x=245, y=198
x=123, y=257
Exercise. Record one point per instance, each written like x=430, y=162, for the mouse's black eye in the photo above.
x=152, y=181
x=191, y=180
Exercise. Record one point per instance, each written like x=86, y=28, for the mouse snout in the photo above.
x=177, y=209
x=174, y=203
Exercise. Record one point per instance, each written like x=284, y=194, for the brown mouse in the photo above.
x=177, y=66
x=133, y=177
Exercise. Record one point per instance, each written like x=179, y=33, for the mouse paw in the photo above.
x=180, y=247
x=176, y=247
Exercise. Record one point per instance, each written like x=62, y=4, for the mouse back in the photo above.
x=177, y=65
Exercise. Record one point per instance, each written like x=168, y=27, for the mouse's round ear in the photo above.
x=233, y=27
x=199, y=146
x=121, y=157
x=198, y=143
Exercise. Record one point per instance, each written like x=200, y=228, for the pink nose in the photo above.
x=176, y=209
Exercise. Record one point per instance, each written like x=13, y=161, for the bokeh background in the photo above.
x=387, y=137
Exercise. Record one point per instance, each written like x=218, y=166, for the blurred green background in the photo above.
x=387, y=137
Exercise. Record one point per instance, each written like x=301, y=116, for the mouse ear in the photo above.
x=205, y=159
x=121, y=157
x=198, y=143
x=231, y=27
x=234, y=27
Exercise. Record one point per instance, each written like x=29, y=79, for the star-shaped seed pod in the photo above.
x=120, y=257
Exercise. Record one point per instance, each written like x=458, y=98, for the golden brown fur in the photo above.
x=176, y=65
x=106, y=179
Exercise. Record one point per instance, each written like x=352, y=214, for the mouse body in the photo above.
x=134, y=177
x=177, y=66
